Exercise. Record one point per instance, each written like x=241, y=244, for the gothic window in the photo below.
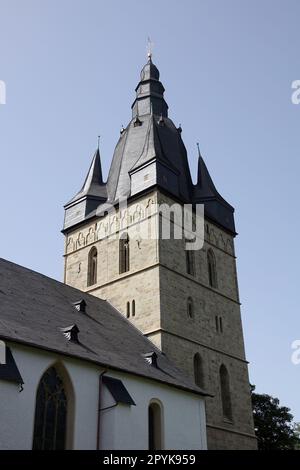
x=198, y=370
x=50, y=413
x=124, y=253
x=155, y=426
x=212, y=270
x=225, y=393
x=128, y=309
x=190, y=262
x=133, y=308
x=92, y=267
x=190, y=307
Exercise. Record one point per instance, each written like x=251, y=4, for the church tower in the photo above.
x=186, y=302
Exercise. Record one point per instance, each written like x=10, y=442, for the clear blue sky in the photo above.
x=71, y=67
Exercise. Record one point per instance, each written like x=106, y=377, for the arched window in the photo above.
x=190, y=307
x=133, y=308
x=92, y=267
x=124, y=253
x=50, y=422
x=128, y=309
x=190, y=262
x=198, y=370
x=225, y=393
x=212, y=270
x=155, y=426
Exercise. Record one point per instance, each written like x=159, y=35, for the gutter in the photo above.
x=102, y=364
x=99, y=408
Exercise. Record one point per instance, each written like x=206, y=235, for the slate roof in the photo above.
x=93, y=184
x=139, y=145
x=154, y=136
x=34, y=309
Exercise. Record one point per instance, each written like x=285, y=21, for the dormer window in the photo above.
x=151, y=358
x=161, y=121
x=80, y=305
x=71, y=333
x=137, y=122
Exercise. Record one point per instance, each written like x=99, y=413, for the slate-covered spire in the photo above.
x=92, y=194
x=153, y=147
x=206, y=193
x=94, y=177
x=150, y=150
x=150, y=153
x=205, y=184
x=93, y=184
x=149, y=93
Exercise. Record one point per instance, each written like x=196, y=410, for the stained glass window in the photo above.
x=50, y=413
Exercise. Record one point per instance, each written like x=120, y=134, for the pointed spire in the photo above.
x=206, y=193
x=94, y=175
x=93, y=185
x=92, y=194
x=205, y=185
x=204, y=180
x=150, y=140
x=200, y=164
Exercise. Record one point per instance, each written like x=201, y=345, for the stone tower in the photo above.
x=186, y=302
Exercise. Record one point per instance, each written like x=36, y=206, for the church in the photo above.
x=141, y=346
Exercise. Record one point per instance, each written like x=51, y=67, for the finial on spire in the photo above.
x=198, y=147
x=98, y=141
x=150, y=49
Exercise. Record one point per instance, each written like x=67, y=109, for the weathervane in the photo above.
x=150, y=48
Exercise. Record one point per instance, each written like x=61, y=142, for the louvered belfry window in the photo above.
x=50, y=413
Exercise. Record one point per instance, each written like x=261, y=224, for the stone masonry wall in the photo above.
x=160, y=286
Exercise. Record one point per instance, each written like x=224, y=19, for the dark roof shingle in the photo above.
x=34, y=308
